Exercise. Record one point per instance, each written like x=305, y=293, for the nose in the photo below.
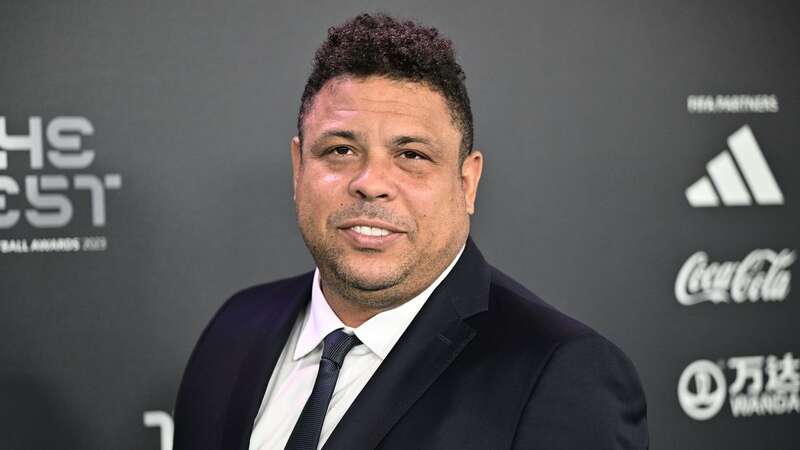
x=373, y=181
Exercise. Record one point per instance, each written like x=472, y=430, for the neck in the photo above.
x=355, y=308
x=351, y=314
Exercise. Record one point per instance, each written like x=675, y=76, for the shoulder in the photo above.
x=263, y=295
x=522, y=321
x=267, y=292
x=517, y=313
x=580, y=378
x=247, y=312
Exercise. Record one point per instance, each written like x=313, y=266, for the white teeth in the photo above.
x=370, y=231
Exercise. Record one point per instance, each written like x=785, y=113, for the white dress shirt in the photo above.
x=296, y=370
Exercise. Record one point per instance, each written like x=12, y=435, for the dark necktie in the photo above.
x=305, y=435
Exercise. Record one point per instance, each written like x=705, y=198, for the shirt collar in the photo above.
x=380, y=333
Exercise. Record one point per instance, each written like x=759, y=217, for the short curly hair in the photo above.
x=381, y=45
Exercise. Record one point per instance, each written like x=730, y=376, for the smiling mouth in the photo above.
x=370, y=237
x=370, y=231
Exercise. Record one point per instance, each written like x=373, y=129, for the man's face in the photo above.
x=382, y=200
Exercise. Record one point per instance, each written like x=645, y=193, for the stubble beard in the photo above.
x=357, y=288
x=411, y=273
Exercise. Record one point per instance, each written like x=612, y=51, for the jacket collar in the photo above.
x=276, y=317
x=429, y=345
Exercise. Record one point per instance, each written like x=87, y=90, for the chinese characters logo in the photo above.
x=761, y=386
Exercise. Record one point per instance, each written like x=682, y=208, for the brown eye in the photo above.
x=341, y=150
x=412, y=155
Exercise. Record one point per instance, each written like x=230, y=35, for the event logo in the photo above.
x=732, y=190
x=763, y=275
x=702, y=387
x=55, y=186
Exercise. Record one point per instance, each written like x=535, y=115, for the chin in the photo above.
x=369, y=278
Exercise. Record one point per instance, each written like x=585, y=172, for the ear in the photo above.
x=297, y=161
x=471, y=170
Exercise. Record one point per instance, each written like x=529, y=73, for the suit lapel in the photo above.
x=429, y=345
x=274, y=323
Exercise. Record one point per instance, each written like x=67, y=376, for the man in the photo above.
x=404, y=337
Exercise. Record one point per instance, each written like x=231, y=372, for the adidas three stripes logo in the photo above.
x=727, y=185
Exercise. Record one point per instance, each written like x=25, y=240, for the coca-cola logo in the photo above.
x=763, y=275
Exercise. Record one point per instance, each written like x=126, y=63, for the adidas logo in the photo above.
x=728, y=185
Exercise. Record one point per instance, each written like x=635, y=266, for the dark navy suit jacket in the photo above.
x=485, y=365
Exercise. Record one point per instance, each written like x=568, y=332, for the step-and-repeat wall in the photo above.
x=641, y=174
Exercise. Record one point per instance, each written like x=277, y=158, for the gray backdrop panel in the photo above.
x=580, y=109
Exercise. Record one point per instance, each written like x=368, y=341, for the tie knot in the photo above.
x=337, y=344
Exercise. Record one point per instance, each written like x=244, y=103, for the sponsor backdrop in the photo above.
x=641, y=174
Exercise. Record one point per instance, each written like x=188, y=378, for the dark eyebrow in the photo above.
x=344, y=134
x=355, y=136
x=402, y=140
